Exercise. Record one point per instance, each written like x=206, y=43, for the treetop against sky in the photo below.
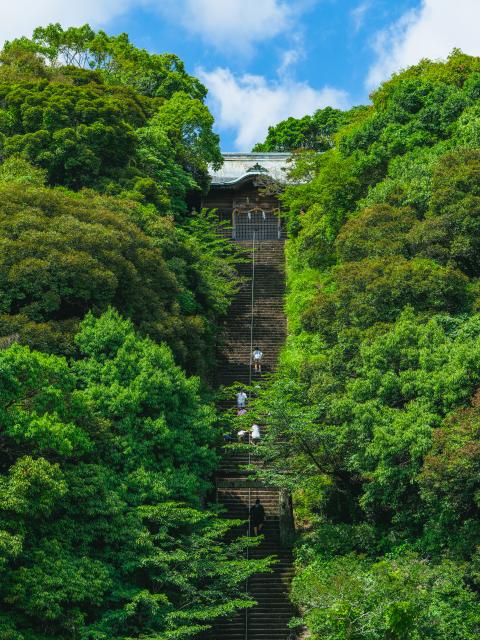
x=265, y=60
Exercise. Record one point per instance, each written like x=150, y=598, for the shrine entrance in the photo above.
x=266, y=225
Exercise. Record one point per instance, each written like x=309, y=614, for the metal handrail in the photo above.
x=252, y=318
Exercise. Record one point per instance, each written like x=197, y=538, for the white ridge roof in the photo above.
x=239, y=166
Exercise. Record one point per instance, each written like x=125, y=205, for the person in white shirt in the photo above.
x=255, y=434
x=241, y=399
x=257, y=356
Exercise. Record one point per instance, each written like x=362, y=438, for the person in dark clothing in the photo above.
x=257, y=517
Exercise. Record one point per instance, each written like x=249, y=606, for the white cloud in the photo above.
x=289, y=58
x=20, y=17
x=292, y=54
x=359, y=13
x=249, y=104
x=431, y=31
x=231, y=25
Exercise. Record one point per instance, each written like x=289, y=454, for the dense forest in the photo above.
x=110, y=292
x=374, y=414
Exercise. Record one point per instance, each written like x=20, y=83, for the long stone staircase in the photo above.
x=269, y=323
x=268, y=620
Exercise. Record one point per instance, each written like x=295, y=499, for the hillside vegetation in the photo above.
x=373, y=416
x=110, y=294
x=111, y=290
x=97, y=166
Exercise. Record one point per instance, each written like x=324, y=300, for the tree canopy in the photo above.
x=116, y=59
x=104, y=114
x=102, y=145
x=64, y=254
x=111, y=291
x=372, y=416
x=104, y=464
x=315, y=132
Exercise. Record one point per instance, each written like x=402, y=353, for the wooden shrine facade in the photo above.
x=239, y=191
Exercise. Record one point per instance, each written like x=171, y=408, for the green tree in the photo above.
x=177, y=146
x=105, y=462
x=378, y=231
x=314, y=132
x=104, y=114
x=449, y=485
x=371, y=418
x=376, y=290
x=115, y=57
x=79, y=134
x=398, y=598
x=64, y=254
x=451, y=229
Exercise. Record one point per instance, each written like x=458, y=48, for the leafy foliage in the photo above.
x=104, y=464
x=403, y=598
x=372, y=418
x=65, y=254
x=106, y=458
x=106, y=115
x=314, y=132
x=180, y=131
x=114, y=57
x=78, y=134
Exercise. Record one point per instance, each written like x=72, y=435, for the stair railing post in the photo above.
x=252, y=307
x=249, y=536
x=250, y=384
x=286, y=519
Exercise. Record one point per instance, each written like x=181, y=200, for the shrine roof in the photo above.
x=238, y=167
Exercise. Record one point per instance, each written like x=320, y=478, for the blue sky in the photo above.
x=263, y=60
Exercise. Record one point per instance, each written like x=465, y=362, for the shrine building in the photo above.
x=243, y=192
